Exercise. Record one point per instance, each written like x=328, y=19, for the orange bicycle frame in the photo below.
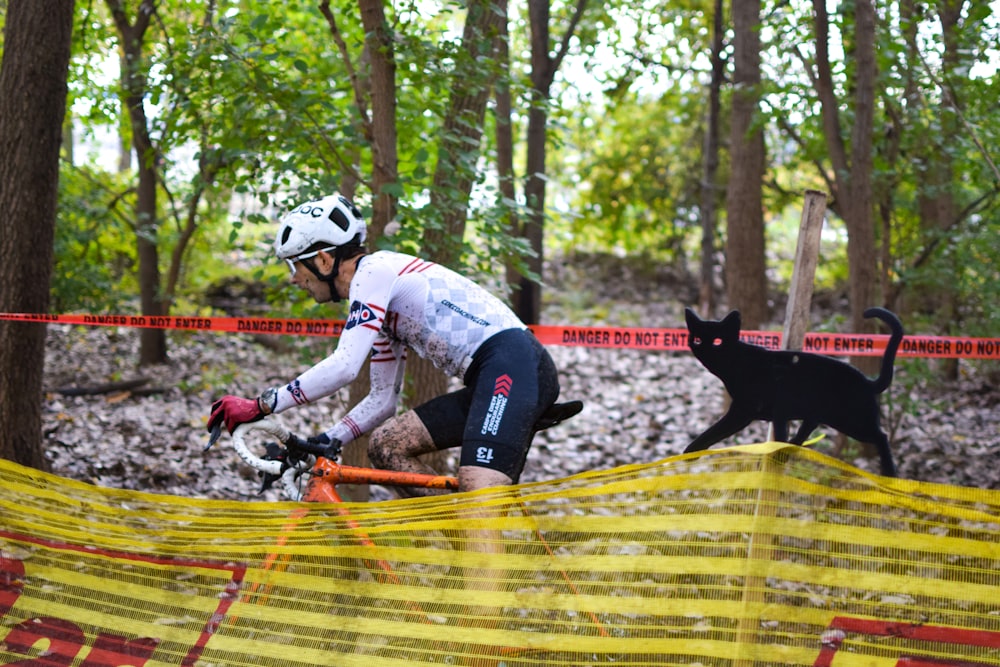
x=326, y=474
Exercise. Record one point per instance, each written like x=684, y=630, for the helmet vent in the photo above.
x=339, y=219
x=285, y=234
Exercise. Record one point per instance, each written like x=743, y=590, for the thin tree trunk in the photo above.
x=709, y=187
x=378, y=86
x=862, y=256
x=124, y=125
x=382, y=82
x=505, y=145
x=152, y=342
x=461, y=133
x=209, y=164
x=900, y=113
x=746, y=279
x=528, y=297
x=942, y=205
x=854, y=199
x=458, y=149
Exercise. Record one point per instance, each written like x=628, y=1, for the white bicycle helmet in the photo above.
x=332, y=221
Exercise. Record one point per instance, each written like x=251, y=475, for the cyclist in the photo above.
x=398, y=301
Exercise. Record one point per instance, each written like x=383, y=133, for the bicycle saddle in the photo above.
x=558, y=413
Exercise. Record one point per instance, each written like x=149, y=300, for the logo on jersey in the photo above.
x=484, y=454
x=360, y=314
x=295, y=389
x=467, y=315
x=494, y=415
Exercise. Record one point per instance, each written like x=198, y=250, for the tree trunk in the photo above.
x=853, y=169
x=32, y=108
x=454, y=175
x=124, y=125
x=528, y=299
x=528, y=294
x=379, y=86
x=709, y=187
x=746, y=279
x=209, y=164
x=939, y=209
x=462, y=131
x=505, y=146
x=862, y=256
x=385, y=162
x=152, y=342
x=900, y=113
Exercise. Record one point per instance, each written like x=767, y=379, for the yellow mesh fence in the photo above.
x=759, y=555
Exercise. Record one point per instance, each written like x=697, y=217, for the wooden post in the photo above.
x=804, y=271
x=796, y=324
x=803, y=275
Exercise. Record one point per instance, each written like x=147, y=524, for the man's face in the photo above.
x=307, y=280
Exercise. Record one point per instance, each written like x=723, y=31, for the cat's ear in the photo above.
x=732, y=320
x=691, y=317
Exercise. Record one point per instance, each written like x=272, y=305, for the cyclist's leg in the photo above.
x=495, y=438
x=396, y=444
x=513, y=382
x=477, y=477
x=432, y=426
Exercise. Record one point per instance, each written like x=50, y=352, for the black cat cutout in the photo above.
x=781, y=386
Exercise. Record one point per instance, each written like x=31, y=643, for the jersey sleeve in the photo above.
x=362, y=335
x=387, y=368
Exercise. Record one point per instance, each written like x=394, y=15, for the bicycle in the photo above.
x=292, y=459
x=295, y=458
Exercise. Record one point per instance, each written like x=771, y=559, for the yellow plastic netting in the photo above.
x=759, y=555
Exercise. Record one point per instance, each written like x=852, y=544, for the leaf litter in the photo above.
x=640, y=406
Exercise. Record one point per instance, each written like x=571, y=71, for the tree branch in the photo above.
x=581, y=6
x=948, y=91
x=356, y=87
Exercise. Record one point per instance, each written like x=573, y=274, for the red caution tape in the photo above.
x=675, y=340
x=261, y=325
x=637, y=338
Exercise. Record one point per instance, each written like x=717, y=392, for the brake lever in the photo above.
x=275, y=452
x=213, y=436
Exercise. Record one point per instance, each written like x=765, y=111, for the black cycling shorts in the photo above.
x=512, y=380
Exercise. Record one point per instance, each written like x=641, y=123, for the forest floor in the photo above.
x=640, y=406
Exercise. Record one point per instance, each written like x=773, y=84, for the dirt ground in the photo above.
x=640, y=406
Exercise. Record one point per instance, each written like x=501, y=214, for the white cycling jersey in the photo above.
x=399, y=301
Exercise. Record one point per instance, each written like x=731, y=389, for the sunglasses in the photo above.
x=308, y=255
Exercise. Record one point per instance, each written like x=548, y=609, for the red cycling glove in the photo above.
x=233, y=411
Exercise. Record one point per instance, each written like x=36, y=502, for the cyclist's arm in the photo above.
x=362, y=334
x=329, y=375
x=388, y=362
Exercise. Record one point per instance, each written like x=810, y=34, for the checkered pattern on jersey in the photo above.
x=463, y=313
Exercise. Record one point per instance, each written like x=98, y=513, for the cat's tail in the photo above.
x=884, y=379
